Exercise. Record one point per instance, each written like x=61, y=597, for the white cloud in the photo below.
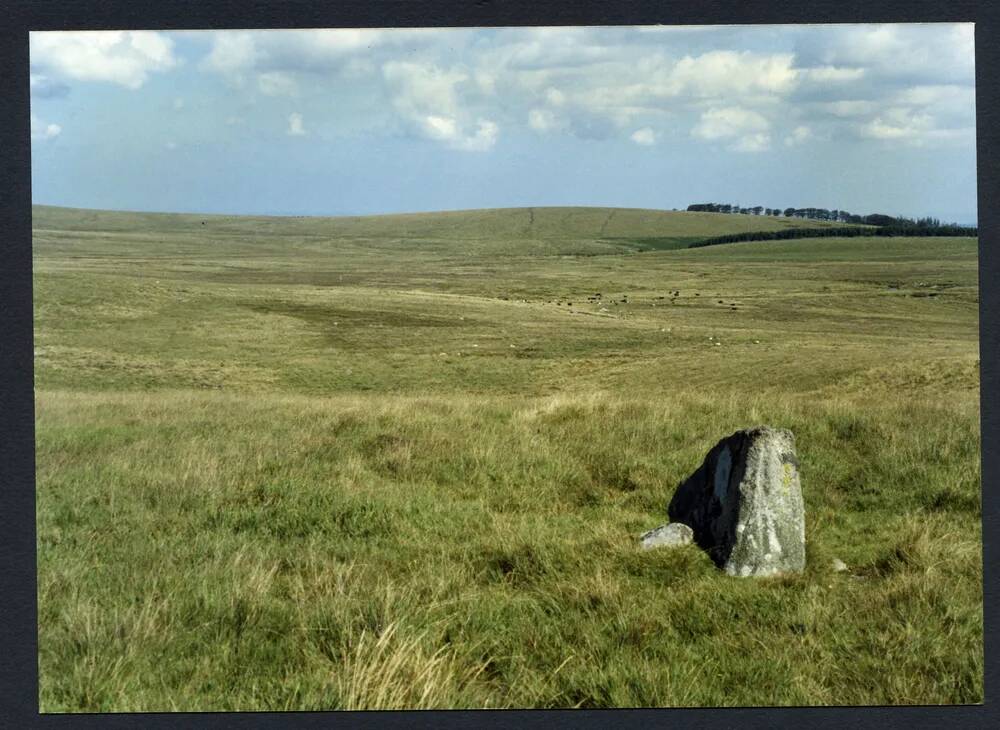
x=799, y=135
x=848, y=107
x=752, y=143
x=675, y=28
x=178, y=104
x=423, y=86
x=295, y=127
x=555, y=97
x=880, y=129
x=745, y=128
x=627, y=89
x=905, y=125
x=329, y=43
x=447, y=129
x=732, y=73
x=602, y=82
x=731, y=121
x=356, y=68
x=232, y=53
x=914, y=126
x=917, y=85
x=443, y=128
x=963, y=97
x=433, y=100
x=486, y=81
x=240, y=54
x=832, y=74
x=460, y=87
x=276, y=83
x=962, y=41
x=326, y=48
x=41, y=131
x=44, y=87
x=531, y=49
x=927, y=50
x=171, y=145
x=545, y=120
x=644, y=136
x=484, y=138
x=950, y=135
x=122, y=57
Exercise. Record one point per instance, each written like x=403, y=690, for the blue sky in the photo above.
x=865, y=118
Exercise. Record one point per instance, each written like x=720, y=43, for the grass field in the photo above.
x=404, y=461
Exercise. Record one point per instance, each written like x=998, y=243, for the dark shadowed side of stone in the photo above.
x=744, y=504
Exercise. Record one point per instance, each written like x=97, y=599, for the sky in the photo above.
x=863, y=118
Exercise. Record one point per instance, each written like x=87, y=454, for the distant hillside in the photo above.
x=633, y=227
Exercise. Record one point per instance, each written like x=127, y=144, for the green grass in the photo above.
x=381, y=462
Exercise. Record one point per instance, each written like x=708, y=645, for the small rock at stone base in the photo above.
x=671, y=535
x=838, y=565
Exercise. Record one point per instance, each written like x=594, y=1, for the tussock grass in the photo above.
x=386, y=672
x=488, y=557
x=268, y=496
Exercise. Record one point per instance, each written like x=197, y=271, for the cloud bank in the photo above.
x=466, y=89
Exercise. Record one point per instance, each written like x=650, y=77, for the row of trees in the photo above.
x=728, y=208
x=845, y=232
x=822, y=214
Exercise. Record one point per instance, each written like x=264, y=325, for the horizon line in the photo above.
x=974, y=222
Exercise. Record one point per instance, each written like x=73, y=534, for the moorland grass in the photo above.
x=279, y=468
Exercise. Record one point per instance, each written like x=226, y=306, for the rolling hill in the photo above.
x=495, y=224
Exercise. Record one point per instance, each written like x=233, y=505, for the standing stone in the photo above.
x=744, y=504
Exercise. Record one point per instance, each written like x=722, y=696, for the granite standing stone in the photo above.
x=744, y=504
